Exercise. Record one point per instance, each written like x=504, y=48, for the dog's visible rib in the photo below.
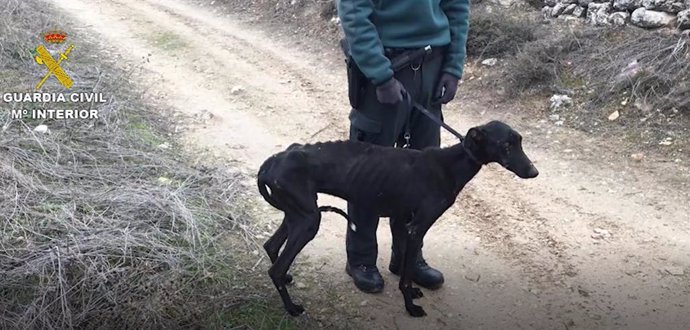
x=411, y=187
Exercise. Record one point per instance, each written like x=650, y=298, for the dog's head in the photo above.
x=498, y=142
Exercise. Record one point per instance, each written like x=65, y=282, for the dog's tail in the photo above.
x=328, y=208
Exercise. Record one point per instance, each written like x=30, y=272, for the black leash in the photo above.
x=398, y=63
x=416, y=105
x=437, y=120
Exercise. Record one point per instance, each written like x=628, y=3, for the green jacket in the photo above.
x=371, y=25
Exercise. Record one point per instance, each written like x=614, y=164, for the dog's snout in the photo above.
x=532, y=172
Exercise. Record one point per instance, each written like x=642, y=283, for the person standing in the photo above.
x=376, y=32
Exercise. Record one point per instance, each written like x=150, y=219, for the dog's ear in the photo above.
x=477, y=135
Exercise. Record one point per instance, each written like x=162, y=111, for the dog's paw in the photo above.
x=415, y=310
x=295, y=310
x=416, y=293
x=288, y=278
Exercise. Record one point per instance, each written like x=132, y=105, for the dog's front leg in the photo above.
x=410, y=241
x=413, y=232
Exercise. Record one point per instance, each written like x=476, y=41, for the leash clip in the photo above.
x=407, y=140
x=415, y=69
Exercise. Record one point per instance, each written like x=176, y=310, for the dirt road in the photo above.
x=596, y=241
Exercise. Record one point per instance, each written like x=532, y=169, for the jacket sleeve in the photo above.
x=458, y=13
x=365, y=44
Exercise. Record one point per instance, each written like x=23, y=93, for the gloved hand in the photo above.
x=390, y=92
x=446, y=88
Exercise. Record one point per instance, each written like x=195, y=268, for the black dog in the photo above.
x=412, y=187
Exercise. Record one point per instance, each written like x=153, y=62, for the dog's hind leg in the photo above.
x=273, y=244
x=302, y=228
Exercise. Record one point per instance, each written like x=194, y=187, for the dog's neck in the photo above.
x=462, y=164
x=469, y=153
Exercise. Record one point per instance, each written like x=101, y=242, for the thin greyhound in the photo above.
x=414, y=187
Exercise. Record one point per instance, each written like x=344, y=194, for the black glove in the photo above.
x=390, y=92
x=446, y=88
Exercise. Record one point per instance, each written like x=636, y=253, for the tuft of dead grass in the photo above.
x=540, y=64
x=102, y=228
x=497, y=33
x=647, y=67
x=652, y=68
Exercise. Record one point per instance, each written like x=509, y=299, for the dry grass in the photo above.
x=101, y=228
x=539, y=64
x=652, y=68
x=608, y=64
x=496, y=34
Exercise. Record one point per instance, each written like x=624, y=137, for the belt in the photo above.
x=438, y=51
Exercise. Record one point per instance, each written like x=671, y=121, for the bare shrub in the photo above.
x=651, y=67
x=539, y=64
x=495, y=34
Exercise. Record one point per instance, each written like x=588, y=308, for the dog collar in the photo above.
x=470, y=154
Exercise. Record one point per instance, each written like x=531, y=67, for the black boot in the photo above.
x=423, y=274
x=366, y=278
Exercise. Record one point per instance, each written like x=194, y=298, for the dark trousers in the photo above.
x=384, y=124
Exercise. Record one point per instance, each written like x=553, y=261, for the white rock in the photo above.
x=43, y=129
x=614, y=115
x=619, y=18
x=164, y=146
x=236, y=90
x=560, y=100
x=569, y=9
x=637, y=156
x=579, y=11
x=669, y=6
x=626, y=4
x=490, y=62
x=666, y=142
x=546, y=12
x=558, y=9
x=598, y=13
x=164, y=180
x=684, y=19
x=645, y=18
